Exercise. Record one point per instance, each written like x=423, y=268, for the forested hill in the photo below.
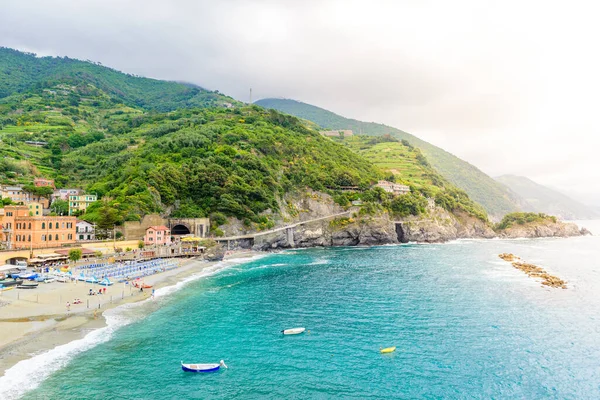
x=493, y=196
x=542, y=199
x=23, y=72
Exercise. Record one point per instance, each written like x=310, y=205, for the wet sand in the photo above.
x=37, y=320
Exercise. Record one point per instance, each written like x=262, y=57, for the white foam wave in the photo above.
x=28, y=374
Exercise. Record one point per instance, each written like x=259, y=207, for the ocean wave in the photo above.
x=28, y=374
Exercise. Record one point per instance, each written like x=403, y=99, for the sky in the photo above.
x=510, y=86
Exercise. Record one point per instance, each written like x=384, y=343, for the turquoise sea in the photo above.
x=465, y=323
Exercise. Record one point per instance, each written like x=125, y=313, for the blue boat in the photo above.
x=203, y=367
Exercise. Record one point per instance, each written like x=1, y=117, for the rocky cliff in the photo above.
x=543, y=229
x=437, y=226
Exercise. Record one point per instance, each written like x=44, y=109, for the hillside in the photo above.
x=542, y=199
x=406, y=164
x=234, y=161
x=493, y=196
x=23, y=72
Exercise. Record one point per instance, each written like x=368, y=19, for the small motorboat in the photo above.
x=203, y=367
x=28, y=285
x=28, y=276
x=293, y=331
x=387, y=350
x=11, y=282
x=62, y=279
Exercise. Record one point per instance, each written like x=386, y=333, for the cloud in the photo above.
x=509, y=86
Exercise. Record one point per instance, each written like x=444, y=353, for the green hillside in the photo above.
x=84, y=130
x=406, y=164
x=541, y=199
x=22, y=72
x=493, y=196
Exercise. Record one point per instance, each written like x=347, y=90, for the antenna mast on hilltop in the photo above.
x=250, y=102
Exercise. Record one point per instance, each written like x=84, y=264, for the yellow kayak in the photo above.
x=388, y=350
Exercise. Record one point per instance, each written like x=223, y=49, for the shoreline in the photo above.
x=32, y=329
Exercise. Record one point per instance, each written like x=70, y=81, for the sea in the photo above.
x=466, y=325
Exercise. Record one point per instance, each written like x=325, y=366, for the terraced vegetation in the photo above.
x=496, y=198
x=406, y=164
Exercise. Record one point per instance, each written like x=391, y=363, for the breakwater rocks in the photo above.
x=534, y=271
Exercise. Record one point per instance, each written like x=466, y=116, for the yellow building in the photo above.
x=81, y=202
x=35, y=209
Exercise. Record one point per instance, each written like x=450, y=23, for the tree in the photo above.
x=75, y=255
x=60, y=207
x=141, y=244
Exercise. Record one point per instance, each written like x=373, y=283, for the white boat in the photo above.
x=203, y=367
x=293, y=331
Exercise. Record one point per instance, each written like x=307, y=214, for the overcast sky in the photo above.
x=511, y=87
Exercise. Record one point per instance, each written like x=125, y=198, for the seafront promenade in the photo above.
x=105, y=247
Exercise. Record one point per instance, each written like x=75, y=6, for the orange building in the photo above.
x=22, y=231
x=41, y=182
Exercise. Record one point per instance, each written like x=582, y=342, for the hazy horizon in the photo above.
x=508, y=87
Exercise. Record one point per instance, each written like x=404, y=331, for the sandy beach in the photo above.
x=33, y=321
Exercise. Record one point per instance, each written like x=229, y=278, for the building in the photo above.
x=17, y=195
x=23, y=231
x=84, y=231
x=80, y=203
x=41, y=182
x=157, y=235
x=64, y=194
x=430, y=203
x=337, y=133
x=35, y=209
x=394, y=188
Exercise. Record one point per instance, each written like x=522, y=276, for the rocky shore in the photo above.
x=356, y=229
x=534, y=271
x=543, y=229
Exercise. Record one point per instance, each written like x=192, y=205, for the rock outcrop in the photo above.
x=437, y=226
x=543, y=229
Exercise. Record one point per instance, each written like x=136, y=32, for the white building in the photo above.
x=84, y=231
x=395, y=188
x=64, y=194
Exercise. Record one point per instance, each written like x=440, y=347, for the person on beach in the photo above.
x=68, y=307
x=152, y=294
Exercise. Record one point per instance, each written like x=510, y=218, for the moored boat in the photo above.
x=28, y=285
x=387, y=350
x=293, y=331
x=203, y=367
x=11, y=282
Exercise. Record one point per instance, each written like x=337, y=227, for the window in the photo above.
x=43, y=238
x=56, y=237
x=70, y=236
x=50, y=238
x=80, y=237
x=29, y=226
x=43, y=225
x=29, y=238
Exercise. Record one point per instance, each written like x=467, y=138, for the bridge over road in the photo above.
x=247, y=240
